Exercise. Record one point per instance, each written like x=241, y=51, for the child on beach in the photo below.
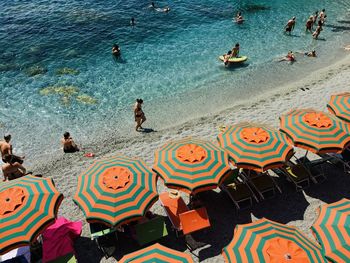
x=139, y=114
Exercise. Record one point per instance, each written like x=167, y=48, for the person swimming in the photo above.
x=116, y=50
x=311, y=54
x=239, y=18
x=132, y=21
x=290, y=25
x=152, y=5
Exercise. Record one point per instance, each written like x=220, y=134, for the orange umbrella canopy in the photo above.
x=27, y=206
x=315, y=131
x=339, y=105
x=265, y=241
x=191, y=165
x=116, y=190
x=254, y=146
x=157, y=253
x=332, y=230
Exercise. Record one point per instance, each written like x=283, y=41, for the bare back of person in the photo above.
x=5, y=148
x=13, y=170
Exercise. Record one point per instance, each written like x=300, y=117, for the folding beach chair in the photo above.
x=105, y=238
x=296, y=174
x=315, y=167
x=151, y=230
x=184, y=221
x=239, y=192
x=263, y=183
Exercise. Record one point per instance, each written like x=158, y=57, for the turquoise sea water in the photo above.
x=168, y=59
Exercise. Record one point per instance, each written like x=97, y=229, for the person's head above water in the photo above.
x=66, y=135
x=323, y=10
x=237, y=45
x=139, y=101
x=293, y=18
x=7, y=137
x=153, y=5
x=239, y=14
x=115, y=46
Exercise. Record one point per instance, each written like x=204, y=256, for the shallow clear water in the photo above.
x=167, y=59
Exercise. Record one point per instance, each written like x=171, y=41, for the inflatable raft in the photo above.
x=235, y=60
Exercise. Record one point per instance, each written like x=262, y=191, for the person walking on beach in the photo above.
x=318, y=30
x=6, y=149
x=139, y=114
x=12, y=169
x=309, y=24
x=290, y=25
x=69, y=145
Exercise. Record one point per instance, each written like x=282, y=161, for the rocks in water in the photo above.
x=67, y=93
x=8, y=67
x=35, y=70
x=86, y=99
x=67, y=71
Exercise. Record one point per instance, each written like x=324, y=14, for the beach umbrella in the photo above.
x=157, y=253
x=116, y=190
x=255, y=146
x=339, y=105
x=315, y=131
x=265, y=241
x=28, y=205
x=191, y=165
x=332, y=230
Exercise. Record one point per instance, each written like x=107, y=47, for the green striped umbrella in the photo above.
x=339, y=105
x=27, y=206
x=332, y=230
x=157, y=254
x=265, y=241
x=191, y=165
x=255, y=146
x=116, y=190
x=315, y=131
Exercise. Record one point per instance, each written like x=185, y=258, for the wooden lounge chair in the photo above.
x=315, y=167
x=105, y=238
x=150, y=230
x=263, y=183
x=184, y=221
x=239, y=192
x=296, y=174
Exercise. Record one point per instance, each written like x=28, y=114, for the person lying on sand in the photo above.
x=311, y=53
x=289, y=57
x=69, y=145
x=347, y=48
x=11, y=169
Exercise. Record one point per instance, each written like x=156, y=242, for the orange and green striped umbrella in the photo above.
x=191, y=165
x=339, y=105
x=315, y=131
x=332, y=230
x=265, y=241
x=116, y=190
x=157, y=253
x=28, y=205
x=255, y=147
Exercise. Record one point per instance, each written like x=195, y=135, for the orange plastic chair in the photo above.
x=194, y=220
x=183, y=219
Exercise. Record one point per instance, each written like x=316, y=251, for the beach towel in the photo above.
x=58, y=239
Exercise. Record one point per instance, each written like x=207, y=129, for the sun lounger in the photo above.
x=263, y=183
x=105, y=238
x=239, y=192
x=150, y=230
x=184, y=221
x=338, y=160
x=315, y=167
x=296, y=174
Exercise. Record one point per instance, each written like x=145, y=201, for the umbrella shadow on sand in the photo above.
x=334, y=188
x=86, y=250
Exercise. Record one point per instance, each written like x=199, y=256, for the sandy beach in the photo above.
x=293, y=208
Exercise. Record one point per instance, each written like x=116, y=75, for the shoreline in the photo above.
x=294, y=208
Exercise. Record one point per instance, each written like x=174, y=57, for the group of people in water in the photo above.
x=316, y=18
x=311, y=21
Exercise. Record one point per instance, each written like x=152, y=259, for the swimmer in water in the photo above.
x=290, y=57
x=310, y=54
x=132, y=21
x=290, y=25
x=116, y=50
x=309, y=24
x=239, y=18
x=152, y=5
